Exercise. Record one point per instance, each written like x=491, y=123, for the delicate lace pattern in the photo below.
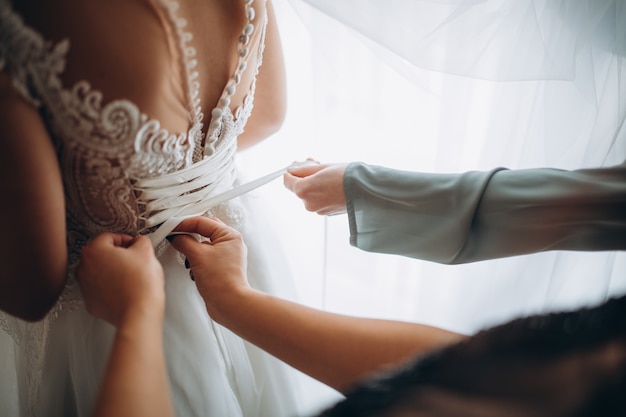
x=189, y=63
x=103, y=149
x=23, y=52
x=243, y=50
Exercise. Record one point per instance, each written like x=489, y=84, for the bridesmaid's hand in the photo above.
x=319, y=186
x=120, y=275
x=218, y=263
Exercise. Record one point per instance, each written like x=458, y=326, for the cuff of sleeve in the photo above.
x=348, y=187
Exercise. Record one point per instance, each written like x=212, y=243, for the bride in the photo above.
x=116, y=116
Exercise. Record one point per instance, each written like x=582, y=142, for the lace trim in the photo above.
x=189, y=64
x=116, y=142
x=100, y=132
x=24, y=52
x=188, y=52
x=222, y=108
x=244, y=111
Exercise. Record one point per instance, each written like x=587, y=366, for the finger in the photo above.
x=141, y=243
x=124, y=240
x=118, y=239
x=186, y=245
x=306, y=170
x=289, y=180
x=214, y=229
x=109, y=239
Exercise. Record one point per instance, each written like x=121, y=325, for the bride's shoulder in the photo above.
x=62, y=18
x=107, y=43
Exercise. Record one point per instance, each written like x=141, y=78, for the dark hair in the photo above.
x=558, y=364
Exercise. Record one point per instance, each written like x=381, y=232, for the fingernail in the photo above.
x=187, y=263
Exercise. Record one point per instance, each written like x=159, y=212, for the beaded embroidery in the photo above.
x=116, y=143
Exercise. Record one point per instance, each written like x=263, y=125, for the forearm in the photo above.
x=468, y=217
x=335, y=349
x=135, y=382
x=547, y=209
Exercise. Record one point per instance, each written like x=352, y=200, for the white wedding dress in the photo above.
x=124, y=172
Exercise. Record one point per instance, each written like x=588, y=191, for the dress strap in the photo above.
x=243, y=52
x=207, y=146
x=189, y=64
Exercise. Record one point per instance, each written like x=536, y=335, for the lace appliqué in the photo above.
x=111, y=143
x=23, y=51
x=102, y=147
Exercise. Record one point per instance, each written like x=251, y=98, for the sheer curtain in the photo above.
x=446, y=86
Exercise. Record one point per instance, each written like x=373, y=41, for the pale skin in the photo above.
x=134, y=302
x=336, y=349
x=319, y=186
x=33, y=217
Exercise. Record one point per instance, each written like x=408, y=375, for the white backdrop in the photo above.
x=445, y=86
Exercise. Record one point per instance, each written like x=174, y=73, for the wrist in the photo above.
x=229, y=305
x=146, y=312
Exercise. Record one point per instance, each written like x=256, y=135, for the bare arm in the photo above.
x=336, y=349
x=270, y=100
x=135, y=382
x=32, y=216
x=122, y=282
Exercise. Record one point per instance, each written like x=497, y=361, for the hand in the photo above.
x=218, y=264
x=319, y=186
x=118, y=275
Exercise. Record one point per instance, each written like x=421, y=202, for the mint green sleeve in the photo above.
x=474, y=216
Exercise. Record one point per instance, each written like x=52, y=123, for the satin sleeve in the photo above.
x=474, y=216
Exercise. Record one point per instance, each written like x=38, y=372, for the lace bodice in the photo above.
x=105, y=148
x=121, y=168
x=108, y=150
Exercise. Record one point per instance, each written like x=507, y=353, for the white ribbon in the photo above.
x=196, y=204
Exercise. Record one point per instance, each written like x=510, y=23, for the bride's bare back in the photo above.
x=126, y=50
x=123, y=116
x=133, y=52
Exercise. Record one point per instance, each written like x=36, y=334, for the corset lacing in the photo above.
x=168, y=199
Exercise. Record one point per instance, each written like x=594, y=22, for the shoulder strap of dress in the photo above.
x=13, y=38
x=26, y=56
x=243, y=50
x=189, y=63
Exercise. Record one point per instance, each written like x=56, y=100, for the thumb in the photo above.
x=305, y=170
x=185, y=244
x=141, y=243
x=290, y=180
x=109, y=239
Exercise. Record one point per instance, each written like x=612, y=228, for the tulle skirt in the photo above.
x=54, y=368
